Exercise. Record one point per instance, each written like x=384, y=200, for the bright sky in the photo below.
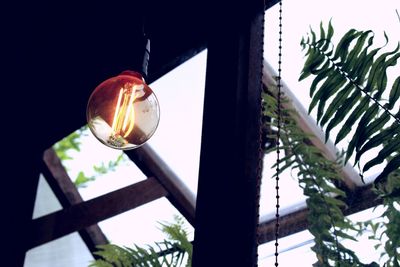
x=180, y=94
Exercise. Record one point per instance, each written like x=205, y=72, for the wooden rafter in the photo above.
x=153, y=166
x=84, y=214
x=296, y=221
x=68, y=195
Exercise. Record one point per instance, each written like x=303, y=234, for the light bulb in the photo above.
x=123, y=112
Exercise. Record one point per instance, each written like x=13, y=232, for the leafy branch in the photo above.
x=351, y=80
x=317, y=177
x=386, y=230
x=73, y=142
x=175, y=250
x=348, y=87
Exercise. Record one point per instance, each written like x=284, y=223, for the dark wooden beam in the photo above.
x=84, y=214
x=20, y=178
x=152, y=165
x=363, y=198
x=270, y=3
x=68, y=195
x=230, y=170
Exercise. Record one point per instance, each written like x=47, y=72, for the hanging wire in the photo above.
x=146, y=47
x=278, y=134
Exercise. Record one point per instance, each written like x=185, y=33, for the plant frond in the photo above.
x=317, y=177
x=172, y=251
x=348, y=92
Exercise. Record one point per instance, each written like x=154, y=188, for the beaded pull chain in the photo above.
x=278, y=134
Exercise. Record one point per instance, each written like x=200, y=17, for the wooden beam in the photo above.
x=363, y=198
x=270, y=3
x=20, y=181
x=152, y=165
x=84, y=214
x=229, y=175
x=68, y=195
x=308, y=125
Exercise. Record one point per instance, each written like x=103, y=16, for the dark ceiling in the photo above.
x=56, y=53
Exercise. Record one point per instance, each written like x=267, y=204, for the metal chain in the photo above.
x=278, y=134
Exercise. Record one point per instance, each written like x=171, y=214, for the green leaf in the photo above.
x=352, y=58
x=341, y=113
x=333, y=107
x=334, y=201
x=394, y=93
x=322, y=35
x=321, y=75
x=371, y=128
x=314, y=60
x=378, y=139
x=377, y=74
x=394, y=164
x=329, y=88
x=392, y=147
x=82, y=179
x=354, y=116
x=344, y=235
x=344, y=43
x=328, y=37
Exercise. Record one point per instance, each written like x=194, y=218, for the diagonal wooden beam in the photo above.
x=308, y=125
x=152, y=165
x=68, y=195
x=84, y=214
x=295, y=221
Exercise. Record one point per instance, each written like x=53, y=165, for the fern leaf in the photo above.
x=321, y=75
x=392, y=147
x=177, y=247
x=313, y=172
x=343, y=45
x=328, y=89
x=393, y=165
x=339, y=98
x=353, y=58
x=363, y=129
x=373, y=127
x=352, y=118
x=377, y=78
x=383, y=136
x=100, y=263
x=353, y=82
x=311, y=66
x=394, y=94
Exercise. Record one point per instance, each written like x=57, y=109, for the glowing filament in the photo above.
x=124, y=116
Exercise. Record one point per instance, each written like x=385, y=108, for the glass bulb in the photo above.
x=123, y=112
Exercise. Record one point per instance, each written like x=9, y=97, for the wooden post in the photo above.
x=229, y=175
x=20, y=180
